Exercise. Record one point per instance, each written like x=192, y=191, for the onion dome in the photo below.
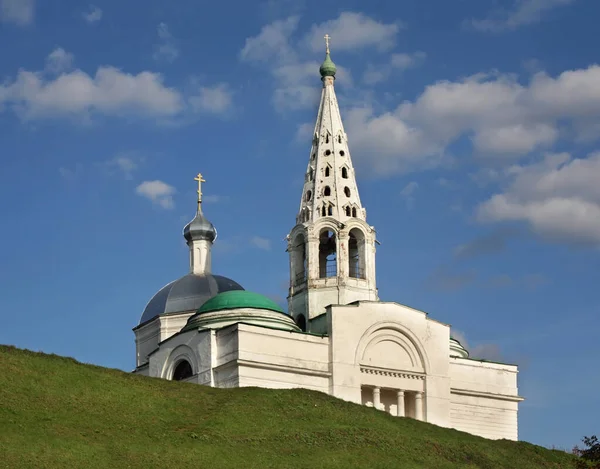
x=328, y=68
x=199, y=229
x=240, y=306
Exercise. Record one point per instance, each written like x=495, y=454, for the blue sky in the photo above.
x=473, y=127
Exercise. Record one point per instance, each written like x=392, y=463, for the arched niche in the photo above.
x=390, y=345
x=178, y=355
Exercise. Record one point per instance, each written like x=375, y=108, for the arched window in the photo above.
x=183, y=370
x=327, y=191
x=327, y=172
x=327, y=138
x=330, y=210
x=327, y=254
x=345, y=172
x=324, y=210
x=308, y=196
x=310, y=174
x=348, y=211
x=299, y=259
x=347, y=191
x=339, y=139
x=356, y=253
x=301, y=322
x=354, y=212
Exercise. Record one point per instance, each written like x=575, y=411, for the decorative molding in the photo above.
x=368, y=370
x=487, y=395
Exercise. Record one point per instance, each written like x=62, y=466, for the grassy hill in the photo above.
x=58, y=413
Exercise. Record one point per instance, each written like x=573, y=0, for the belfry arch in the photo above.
x=299, y=260
x=356, y=254
x=327, y=253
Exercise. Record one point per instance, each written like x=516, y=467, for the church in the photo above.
x=338, y=336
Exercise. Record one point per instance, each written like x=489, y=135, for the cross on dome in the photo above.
x=200, y=180
x=327, y=38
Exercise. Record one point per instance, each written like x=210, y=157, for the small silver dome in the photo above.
x=187, y=294
x=199, y=228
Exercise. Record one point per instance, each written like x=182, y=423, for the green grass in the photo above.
x=58, y=413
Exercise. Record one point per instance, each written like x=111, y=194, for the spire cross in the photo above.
x=327, y=38
x=200, y=180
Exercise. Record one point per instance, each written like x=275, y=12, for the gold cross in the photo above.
x=200, y=180
x=327, y=38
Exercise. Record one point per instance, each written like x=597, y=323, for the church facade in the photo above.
x=338, y=337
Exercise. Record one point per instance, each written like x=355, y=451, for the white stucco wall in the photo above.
x=484, y=398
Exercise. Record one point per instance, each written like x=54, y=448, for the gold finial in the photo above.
x=327, y=38
x=200, y=180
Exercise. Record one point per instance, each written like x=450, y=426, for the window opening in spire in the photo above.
x=339, y=139
x=327, y=191
x=356, y=253
x=327, y=254
x=347, y=211
x=345, y=173
x=330, y=210
x=354, y=212
x=183, y=370
x=299, y=265
x=323, y=211
x=327, y=138
x=327, y=152
x=327, y=172
x=342, y=152
x=308, y=196
x=347, y=191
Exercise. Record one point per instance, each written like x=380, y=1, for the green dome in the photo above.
x=239, y=299
x=328, y=67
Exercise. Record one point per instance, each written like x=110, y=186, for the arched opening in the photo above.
x=356, y=253
x=310, y=174
x=308, y=196
x=324, y=210
x=347, y=191
x=345, y=172
x=327, y=254
x=354, y=212
x=299, y=259
x=347, y=211
x=183, y=370
x=301, y=322
x=330, y=210
x=327, y=191
x=327, y=172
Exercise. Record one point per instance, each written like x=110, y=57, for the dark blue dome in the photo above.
x=187, y=294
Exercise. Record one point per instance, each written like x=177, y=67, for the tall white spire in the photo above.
x=332, y=248
x=330, y=186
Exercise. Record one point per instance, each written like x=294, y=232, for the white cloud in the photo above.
x=351, y=31
x=159, y=192
x=272, y=42
x=125, y=163
x=558, y=198
x=110, y=92
x=398, y=62
x=216, y=99
x=20, y=12
x=59, y=60
x=93, y=15
x=261, y=243
x=502, y=117
x=166, y=49
x=524, y=12
x=408, y=194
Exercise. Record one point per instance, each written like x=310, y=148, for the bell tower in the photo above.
x=332, y=247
